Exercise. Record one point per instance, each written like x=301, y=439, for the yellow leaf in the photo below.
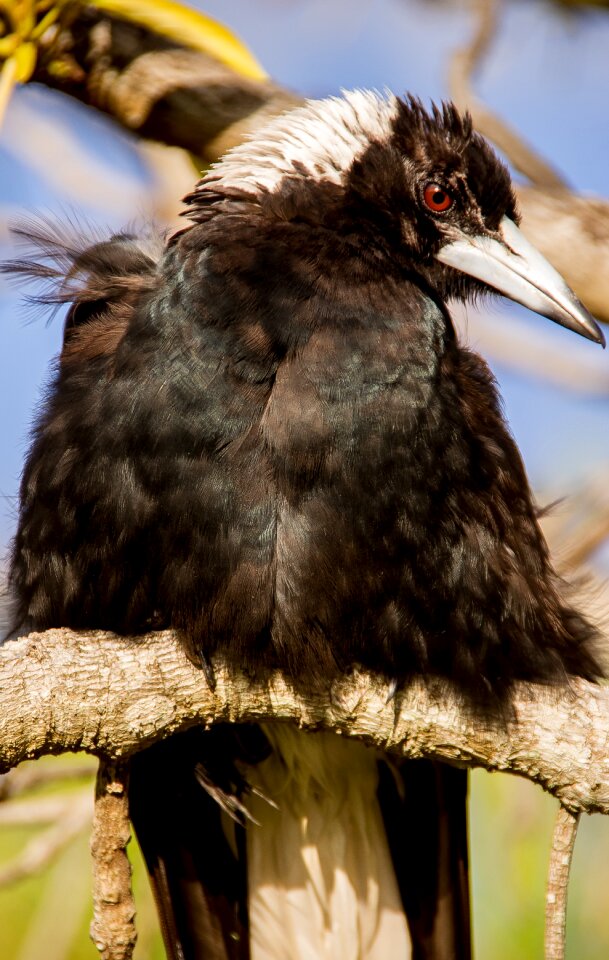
x=25, y=61
x=8, y=75
x=8, y=45
x=189, y=28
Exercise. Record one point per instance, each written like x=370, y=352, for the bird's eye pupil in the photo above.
x=436, y=198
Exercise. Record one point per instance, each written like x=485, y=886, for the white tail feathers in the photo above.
x=321, y=880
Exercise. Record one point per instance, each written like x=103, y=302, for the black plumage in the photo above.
x=268, y=436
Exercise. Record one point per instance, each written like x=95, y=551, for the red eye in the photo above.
x=437, y=198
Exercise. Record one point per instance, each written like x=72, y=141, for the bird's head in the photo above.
x=421, y=190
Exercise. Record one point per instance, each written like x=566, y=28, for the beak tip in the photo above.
x=595, y=332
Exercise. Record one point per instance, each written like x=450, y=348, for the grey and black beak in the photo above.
x=517, y=270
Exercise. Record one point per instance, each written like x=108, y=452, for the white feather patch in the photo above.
x=320, y=877
x=320, y=139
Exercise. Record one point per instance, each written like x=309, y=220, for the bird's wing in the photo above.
x=424, y=808
x=101, y=280
x=197, y=868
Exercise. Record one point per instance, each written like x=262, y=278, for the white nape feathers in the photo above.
x=320, y=139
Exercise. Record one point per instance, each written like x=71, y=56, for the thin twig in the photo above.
x=22, y=779
x=563, y=841
x=592, y=533
x=40, y=810
x=462, y=67
x=112, y=928
x=40, y=851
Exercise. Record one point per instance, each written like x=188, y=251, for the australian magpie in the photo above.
x=265, y=433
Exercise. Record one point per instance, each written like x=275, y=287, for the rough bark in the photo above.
x=563, y=842
x=112, y=696
x=113, y=925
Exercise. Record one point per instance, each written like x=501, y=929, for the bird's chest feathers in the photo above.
x=350, y=392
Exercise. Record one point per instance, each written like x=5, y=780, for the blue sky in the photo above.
x=548, y=74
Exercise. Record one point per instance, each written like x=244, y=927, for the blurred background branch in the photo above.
x=462, y=68
x=68, y=821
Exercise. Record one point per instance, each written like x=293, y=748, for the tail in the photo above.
x=345, y=855
x=426, y=826
x=320, y=876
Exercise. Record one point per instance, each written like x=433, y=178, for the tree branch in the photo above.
x=40, y=810
x=464, y=63
x=112, y=696
x=563, y=842
x=113, y=925
x=154, y=86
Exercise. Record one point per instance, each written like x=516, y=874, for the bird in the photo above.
x=264, y=432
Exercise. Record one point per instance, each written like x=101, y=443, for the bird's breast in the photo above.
x=341, y=434
x=348, y=397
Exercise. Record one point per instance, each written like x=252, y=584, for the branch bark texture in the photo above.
x=563, y=842
x=113, y=925
x=112, y=696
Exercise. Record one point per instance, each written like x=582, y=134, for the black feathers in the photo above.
x=271, y=440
